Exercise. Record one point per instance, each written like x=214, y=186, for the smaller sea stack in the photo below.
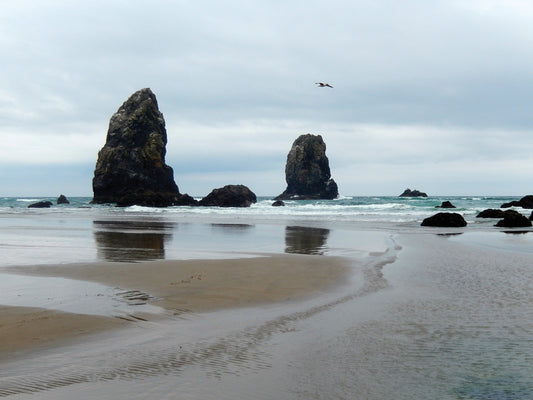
x=307, y=171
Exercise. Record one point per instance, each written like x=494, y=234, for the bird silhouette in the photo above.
x=322, y=84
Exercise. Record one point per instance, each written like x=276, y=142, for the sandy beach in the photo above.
x=183, y=286
x=257, y=310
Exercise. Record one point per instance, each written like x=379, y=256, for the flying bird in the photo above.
x=322, y=84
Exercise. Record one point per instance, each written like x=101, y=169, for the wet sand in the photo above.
x=24, y=328
x=177, y=286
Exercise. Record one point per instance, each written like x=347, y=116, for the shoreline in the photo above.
x=179, y=286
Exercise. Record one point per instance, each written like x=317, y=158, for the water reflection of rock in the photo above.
x=232, y=228
x=305, y=240
x=131, y=240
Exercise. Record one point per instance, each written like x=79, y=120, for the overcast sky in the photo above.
x=432, y=95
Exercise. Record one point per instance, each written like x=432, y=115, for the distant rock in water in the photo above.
x=524, y=202
x=448, y=220
x=307, y=171
x=62, y=200
x=131, y=167
x=446, y=204
x=41, y=204
x=278, y=203
x=229, y=196
x=495, y=213
x=413, y=193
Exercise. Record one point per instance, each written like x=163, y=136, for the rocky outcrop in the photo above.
x=62, y=199
x=413, y=193
x=229, y=196
x=307, y=171
x=524, y=202
x=495, y=213
x=278, y=203
x=41, y=204
x=446, y=204
x=449, y=220
x=513, y=220
x=131, y=166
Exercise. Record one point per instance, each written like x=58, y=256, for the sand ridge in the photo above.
x=178, y=286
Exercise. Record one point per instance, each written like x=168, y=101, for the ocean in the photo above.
x=431, y=313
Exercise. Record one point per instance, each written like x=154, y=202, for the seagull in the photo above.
x=322, y=84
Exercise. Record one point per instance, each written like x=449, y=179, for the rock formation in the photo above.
x=446, y=204
x=131, y=166
x=62, y=199
x=495, y=213
x=524, y=202
x=41, y=204
x=229, y=196
x=413, y=193
x=449, y=220
x=307, y=171
x=514, y=220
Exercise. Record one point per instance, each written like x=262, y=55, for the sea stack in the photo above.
x=307, y=171
x=131, y=167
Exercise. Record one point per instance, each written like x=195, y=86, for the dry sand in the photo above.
x=178, y=286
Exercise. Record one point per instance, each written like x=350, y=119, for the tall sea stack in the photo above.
x=131, y=167
x=307, y=171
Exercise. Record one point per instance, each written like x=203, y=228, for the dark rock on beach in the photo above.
x=62, y=200
x=449, y=220
x=41, y=204
x=513, y=220
x=495, y=213
x=131, y=166
x=148, y=199
x=446, y=204
x=307, y=171
x=413, y=193
x=524, y=202
x=229, y=196
x=278, y=203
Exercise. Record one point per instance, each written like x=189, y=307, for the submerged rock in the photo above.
x=413, y=193
x=446, y=204
x=229, y=196
x=278, y=203
x=449, y=220
x=495, y=213
x=307, y=171
x=41, y=204
x=62, y=200
x=524, y=202
x=131, y=166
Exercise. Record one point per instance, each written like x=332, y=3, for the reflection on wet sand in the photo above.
x=123, y=241
x=232, y=228
x=305, y=240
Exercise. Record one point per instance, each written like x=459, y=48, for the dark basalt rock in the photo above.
x=41, y=204
x=131, y=166
x=62, y=200
x=307, y=171
x=278, y=203
x=413, y=193
x=148, y=199
x=513, y=220
x=524, y=202
x=229, y=196
x=495, y=213
x=449, y=220
x=446, y=204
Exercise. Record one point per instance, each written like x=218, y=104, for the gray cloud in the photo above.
x=426, y=84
